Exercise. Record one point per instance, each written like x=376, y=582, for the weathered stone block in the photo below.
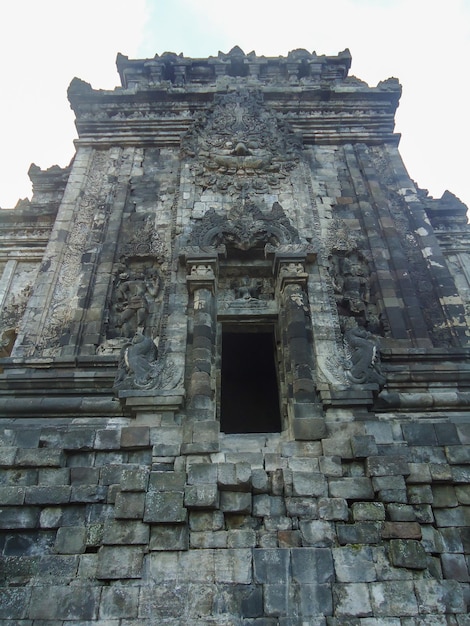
x=358, y=533
x=167, y=481
x=316, y=600
x=235, y=476
x=135, y=437
x=309, y=428
x=278, y=600
x=119, y=602
x=71, y=540
x=14, y=604
x=302, y=507
x=368, y=511
x=7, y=456
x=351, y=600
x=309, y=484
x=318, y=533
x=207, y=520
x=118, y=532
x=65, y=603
x=163, y=507
x=47, y=495
x=387, y=466
x=11, y=495
x=443, y=496
x=166, y=537
x=407, y=553
x=19, y=517
x=455, y=567
x=235, y=502
x=212, y=539
x=333, y=509
x=116, y=562
x=241, y=538
x=271, y=566
x=357, y=488
x=401, y=530
x=312, y=565
x=440, y=596
x=393, y=598
x=129, y=505
x=259, y=481
x=39, y=457
x=458, y=455
x=201, y=496
x=363, y=446
x=354, y=564
x=135, y=479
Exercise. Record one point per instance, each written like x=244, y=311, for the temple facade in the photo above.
x=235, y=360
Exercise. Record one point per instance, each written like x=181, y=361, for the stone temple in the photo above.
x=235, y=373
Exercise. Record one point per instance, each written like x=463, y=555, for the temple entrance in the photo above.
x=249, y=384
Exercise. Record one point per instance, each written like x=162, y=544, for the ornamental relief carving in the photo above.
x=240, y=145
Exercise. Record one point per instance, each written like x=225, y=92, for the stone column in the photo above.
x=305, y=414
x=201, y=278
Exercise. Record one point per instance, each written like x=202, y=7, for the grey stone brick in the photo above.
x=201, y=496
x=278, y=599
x=169, y=537
x=54, y=476
x=19, y=517
x=351, y=600
x=301, y=507
x=318, y=533
x=398, y=512
x=443, y=496
x=458, y=455
x=316, y=600
x=235, y=502
x=259, y=481
x=7, y=455
x=393, y=598
x=135, y=437
x=440, y=596
x=271, y=566
x=65, y=603
x=312, y=565
x=363, y=446
x=368, y=511
x=309, y=428
x=241, y=538
x=130, y=505
x=202, y=473
x=84, y=475
x=358, y=533
x=164, y=507
x=88, y=493
x=207, y=520
x=14, y=603
x=118, y=562
x=354, y=564
x=357, y=488
x=47, y=495
x=71, y=540
x=116, y=532
x=309, y=484
x=454, y=567
x=119, y=602
x=108, y=439
x=134, y=479
x=167, y=481
x=387, y=466
x=212, y=539
x=11, y=495
x=237, y=476
x=407, y=553
x=39, y=457
x=333, y=509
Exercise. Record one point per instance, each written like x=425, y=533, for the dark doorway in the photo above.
x=249, y=389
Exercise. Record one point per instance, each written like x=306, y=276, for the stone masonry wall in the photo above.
x=368, y=526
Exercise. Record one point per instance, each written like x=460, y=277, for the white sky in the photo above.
x=424, y=43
